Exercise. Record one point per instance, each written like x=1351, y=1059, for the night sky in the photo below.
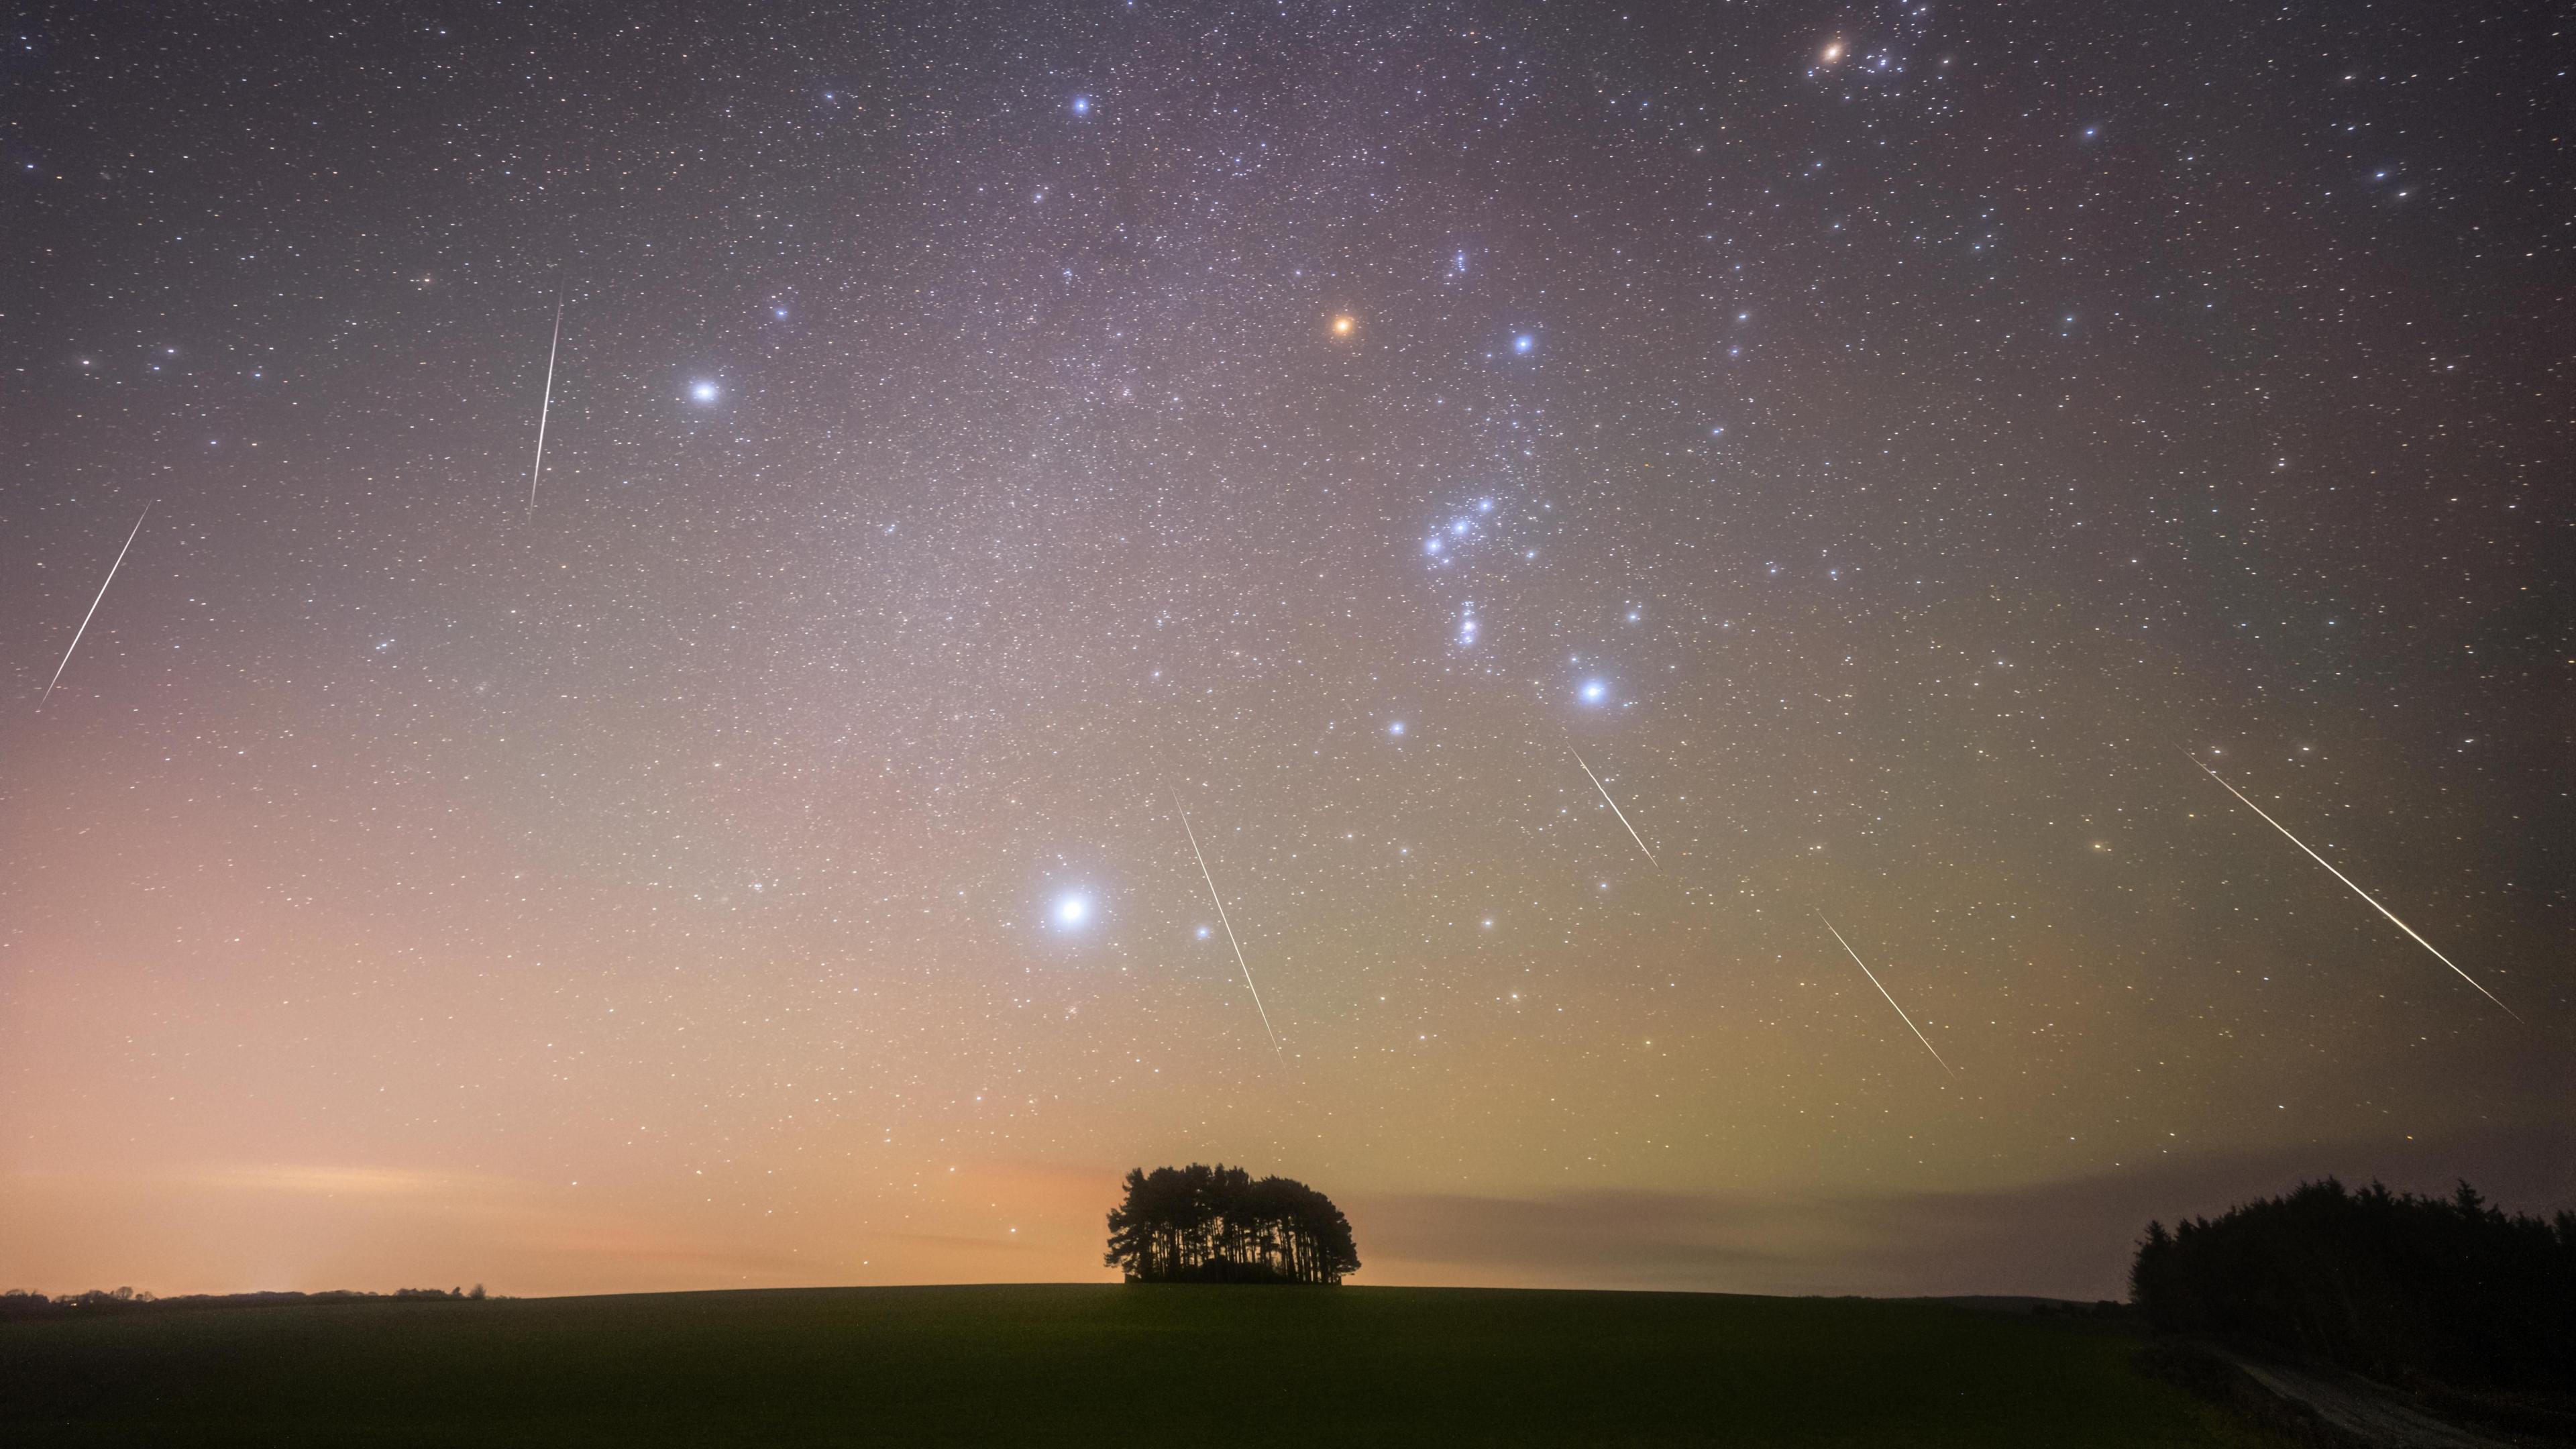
x=1885, y=445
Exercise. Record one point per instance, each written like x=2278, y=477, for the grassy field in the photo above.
x=1212, y=1367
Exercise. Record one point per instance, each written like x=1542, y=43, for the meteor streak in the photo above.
x=2356, y=890
x=548, y=405
x=1229, y=929
x=1615, y=810
x=1882, y=990
x=93, y=607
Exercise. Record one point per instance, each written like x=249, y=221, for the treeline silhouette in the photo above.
x=18, y=1303
x=2392, y=1285
x=1201, y=1224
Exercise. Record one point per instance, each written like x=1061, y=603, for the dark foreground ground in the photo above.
x=1071, y=1364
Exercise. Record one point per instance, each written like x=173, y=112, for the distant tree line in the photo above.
x=1201, y=1224
x=17, y=1303
x=2393, y=1285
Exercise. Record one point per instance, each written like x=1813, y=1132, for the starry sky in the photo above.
x=1570, y=499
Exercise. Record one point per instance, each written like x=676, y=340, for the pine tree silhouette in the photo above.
x=1201, y=1224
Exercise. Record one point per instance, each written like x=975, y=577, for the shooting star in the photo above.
x=93, y=607
x=1615, y=810
x=548, y=405
x=1882, y=990
x=1229, y=929
x=2356, y=890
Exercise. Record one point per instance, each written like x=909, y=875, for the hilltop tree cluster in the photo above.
x=1201, y=1224
x=2397, y=1286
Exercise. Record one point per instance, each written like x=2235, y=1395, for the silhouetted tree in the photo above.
x=2389, y=1284
x=1201, y=1224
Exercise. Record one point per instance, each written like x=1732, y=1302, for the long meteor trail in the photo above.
x=1615, y=810
x=93, y=607
x=1882, y=990
x=1229, y=930
x=2356, y=890
x=546, y=406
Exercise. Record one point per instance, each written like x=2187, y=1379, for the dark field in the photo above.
x=1071, y=1364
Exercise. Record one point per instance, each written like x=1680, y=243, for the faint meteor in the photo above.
x=93, y=607
x=1615, y=810
x=1229, y=929
x=548, y=405
x=2356, y=890
x=1882, y=990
